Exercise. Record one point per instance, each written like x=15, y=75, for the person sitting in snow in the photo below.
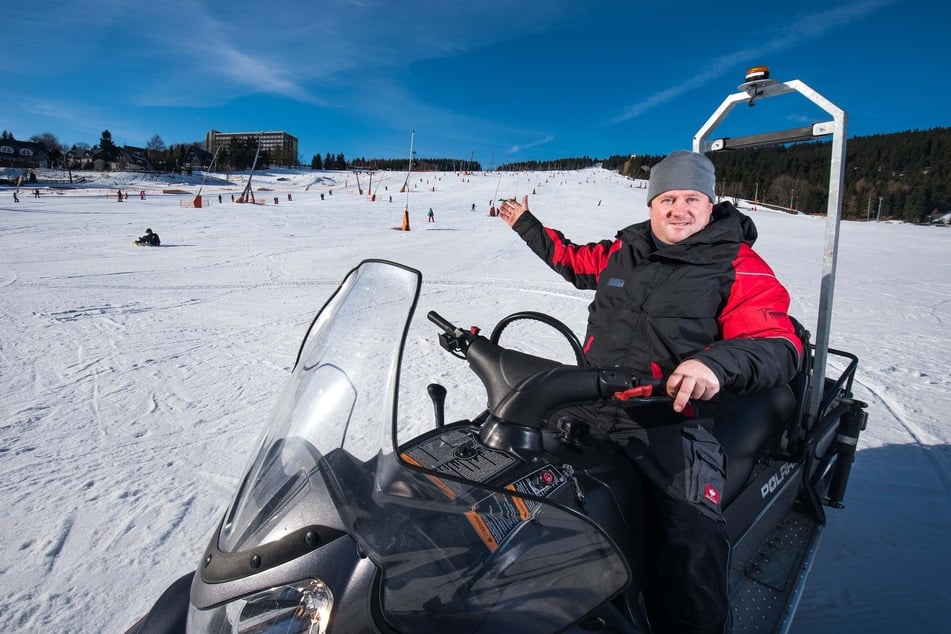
x=150, y=239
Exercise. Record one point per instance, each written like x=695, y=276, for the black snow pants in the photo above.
x=683, y=470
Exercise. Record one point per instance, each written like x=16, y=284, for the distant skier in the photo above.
x=430, y=215
x=119, y=196
x=150, y=239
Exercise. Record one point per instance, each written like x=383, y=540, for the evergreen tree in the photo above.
x=107, y=146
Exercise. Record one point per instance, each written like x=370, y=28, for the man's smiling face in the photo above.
x=678, y=214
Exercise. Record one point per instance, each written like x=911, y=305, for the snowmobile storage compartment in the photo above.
x=747, y=426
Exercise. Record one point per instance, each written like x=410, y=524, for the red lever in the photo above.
x=634, y=392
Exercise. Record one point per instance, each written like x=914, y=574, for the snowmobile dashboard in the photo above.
x=460, y=456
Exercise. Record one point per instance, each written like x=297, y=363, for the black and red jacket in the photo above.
x=709, y=297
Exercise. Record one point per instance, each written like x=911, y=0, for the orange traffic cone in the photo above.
x=405, y=226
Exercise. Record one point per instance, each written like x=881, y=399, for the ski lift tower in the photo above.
x=758, y=85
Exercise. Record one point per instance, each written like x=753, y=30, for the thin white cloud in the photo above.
x=307, y=52
x=804, y=30
x=515, y=149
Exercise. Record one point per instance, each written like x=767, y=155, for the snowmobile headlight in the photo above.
x=299, y=608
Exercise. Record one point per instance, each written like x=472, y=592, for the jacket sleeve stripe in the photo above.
x=758, y=304
x=580, y=264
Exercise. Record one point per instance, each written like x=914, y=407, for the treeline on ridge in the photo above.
x=902, y=175
x=419, y=164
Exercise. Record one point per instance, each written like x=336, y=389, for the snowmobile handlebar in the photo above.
x=440, y=321
x=524, y=388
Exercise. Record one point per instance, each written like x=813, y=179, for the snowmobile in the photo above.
x=513, y=520
x=518, y=519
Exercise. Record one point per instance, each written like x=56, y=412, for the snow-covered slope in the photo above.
x=135, y=379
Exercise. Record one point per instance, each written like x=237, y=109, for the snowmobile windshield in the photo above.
x=454, y=554
x=339, y=399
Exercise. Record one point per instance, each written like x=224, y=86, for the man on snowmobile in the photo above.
x=683, y=296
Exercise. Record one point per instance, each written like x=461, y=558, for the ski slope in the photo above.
x=134, y=380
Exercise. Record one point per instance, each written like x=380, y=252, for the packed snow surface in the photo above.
x=134, y=380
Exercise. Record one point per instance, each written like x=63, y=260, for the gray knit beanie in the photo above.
x=682, y=170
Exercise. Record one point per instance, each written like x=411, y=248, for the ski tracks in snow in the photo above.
x=936, y=453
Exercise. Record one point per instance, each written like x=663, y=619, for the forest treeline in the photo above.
x=419, y=164
x=902, y=175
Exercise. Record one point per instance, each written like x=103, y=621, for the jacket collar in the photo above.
x=728, y=226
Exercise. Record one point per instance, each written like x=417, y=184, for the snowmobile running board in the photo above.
x=772, y=556
x=773, y=583
x=760, y=86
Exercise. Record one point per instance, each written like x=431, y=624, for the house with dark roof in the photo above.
x=78, y=158
x=135, y=158
x=198, y=158
x=125, y=158
x=15, y=153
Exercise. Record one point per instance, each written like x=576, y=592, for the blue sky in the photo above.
x=494, y=80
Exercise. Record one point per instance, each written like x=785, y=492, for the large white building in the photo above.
x=281, y=146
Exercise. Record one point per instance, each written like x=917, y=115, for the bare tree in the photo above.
x=156, y=144
x=49, y=140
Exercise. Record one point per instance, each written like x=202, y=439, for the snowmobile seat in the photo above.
x=748, y=426
x=800, y=385
x=752, y=425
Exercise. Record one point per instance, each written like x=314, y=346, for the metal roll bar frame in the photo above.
x=766, y=88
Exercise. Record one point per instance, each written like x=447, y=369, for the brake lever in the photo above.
x=646, y=391
x=638, y=391
x=643, y=388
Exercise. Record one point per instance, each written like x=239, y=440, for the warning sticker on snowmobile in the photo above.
x=482, y=528
x=439, y=482
x=497, y=516
x=520, y=506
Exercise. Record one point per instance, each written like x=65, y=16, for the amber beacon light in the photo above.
x=757, y=72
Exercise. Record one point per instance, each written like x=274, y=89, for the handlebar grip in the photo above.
x=437, y=319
